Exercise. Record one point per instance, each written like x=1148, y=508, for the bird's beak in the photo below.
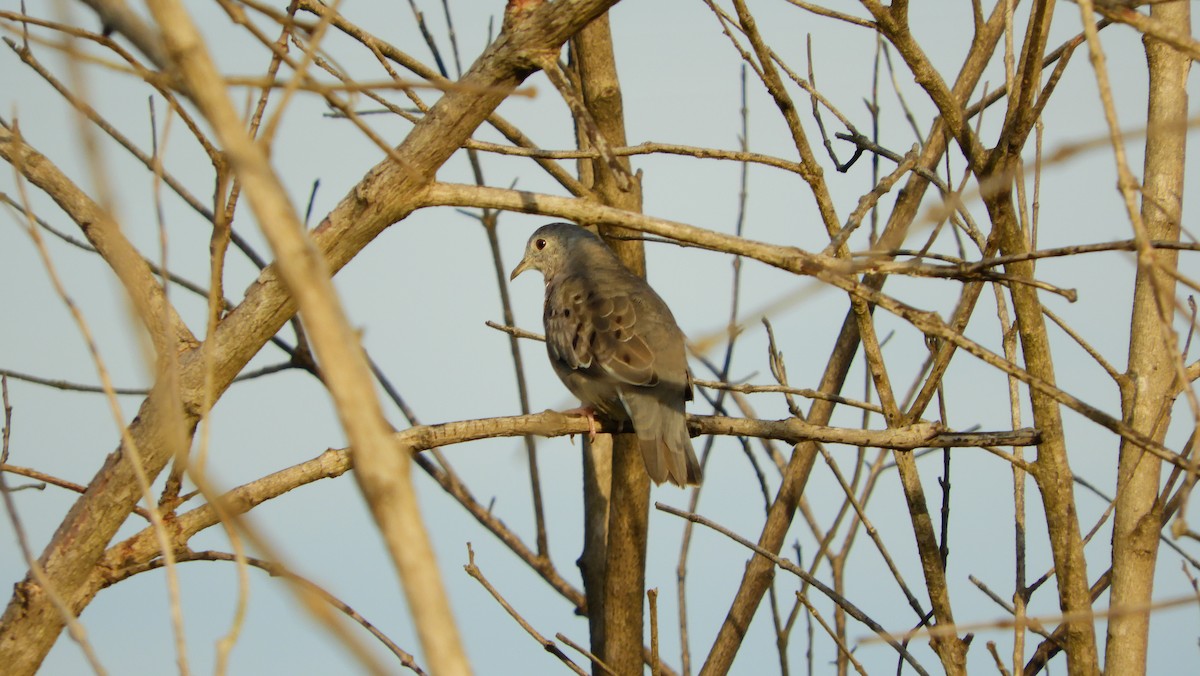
x=521, y=267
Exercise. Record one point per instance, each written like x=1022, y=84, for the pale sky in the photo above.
x=421, y=294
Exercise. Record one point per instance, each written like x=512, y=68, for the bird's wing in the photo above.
x=596, y=327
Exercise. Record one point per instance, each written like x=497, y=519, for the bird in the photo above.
x=614, y=343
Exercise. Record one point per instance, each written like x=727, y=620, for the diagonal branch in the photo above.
x=384, y=476
x=166, y=329
x=386, y=194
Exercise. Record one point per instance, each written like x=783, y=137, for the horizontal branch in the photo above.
x=332, y=463
x=36, y=475
x=791, y=430
x=70, y=386
x=646, y=148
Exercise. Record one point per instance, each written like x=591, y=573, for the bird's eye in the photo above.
x=539, y=244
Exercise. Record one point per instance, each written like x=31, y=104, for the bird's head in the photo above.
x=549, y=247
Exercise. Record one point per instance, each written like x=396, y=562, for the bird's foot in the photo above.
x=589, y=413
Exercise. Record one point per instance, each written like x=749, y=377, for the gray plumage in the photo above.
x=615, y=345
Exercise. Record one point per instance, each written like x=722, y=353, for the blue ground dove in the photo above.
x=615, y=345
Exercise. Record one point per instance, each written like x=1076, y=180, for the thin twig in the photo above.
x=549, y=646
x=843, y=649
x=803, y=575
x=278, y=570
x=586, y=653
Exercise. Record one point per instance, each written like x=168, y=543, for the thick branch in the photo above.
x=615, y=575
x=386, y=194
x=1152, y=354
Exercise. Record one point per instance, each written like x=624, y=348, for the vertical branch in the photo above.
x=1051, y=470
x=950, y=649
x=593, y=561
x=1149, y=384
x=758, y=573
x=1008, y=338
x=168, y=372
x=624, y=576
x=652, y=599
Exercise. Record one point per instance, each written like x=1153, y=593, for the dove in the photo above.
x=615, y=345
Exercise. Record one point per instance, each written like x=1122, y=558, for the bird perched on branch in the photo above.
x=614, y=343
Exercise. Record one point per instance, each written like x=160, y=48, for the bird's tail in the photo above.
x=663, y=435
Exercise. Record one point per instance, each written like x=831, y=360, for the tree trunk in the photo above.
x=617, y=621
x=1149, y=387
